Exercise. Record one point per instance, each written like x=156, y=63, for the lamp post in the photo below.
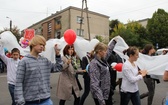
x=10, y=23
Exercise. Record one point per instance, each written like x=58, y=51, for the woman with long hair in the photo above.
x=67, y=82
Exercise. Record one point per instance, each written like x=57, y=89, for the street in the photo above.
x=160, y=93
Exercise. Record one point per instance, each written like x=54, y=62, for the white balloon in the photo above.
x=93, y=43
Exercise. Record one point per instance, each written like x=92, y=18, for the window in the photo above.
x=79, y=19
x=58, y=22
x=80, y=32
x=58, y=35
x=49, y=28
x=39, y=30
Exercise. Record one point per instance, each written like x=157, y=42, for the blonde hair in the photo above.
x=36, y=40
x=100, y=47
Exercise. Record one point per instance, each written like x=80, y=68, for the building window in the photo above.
x=49, y=28
x=79, y=20
x=58, y=35
x=80, y=32
x=35, y=31
x=58, y=22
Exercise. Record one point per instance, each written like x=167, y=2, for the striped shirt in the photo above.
x=33, y=78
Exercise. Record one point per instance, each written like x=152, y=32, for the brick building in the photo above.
x=70, y=18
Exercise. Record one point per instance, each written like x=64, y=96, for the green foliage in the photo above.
x=157, y=28
x=100, y=38
x=133, y=33
x=113, y=23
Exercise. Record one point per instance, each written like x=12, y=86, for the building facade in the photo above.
x=55, y=25
x=143, y=22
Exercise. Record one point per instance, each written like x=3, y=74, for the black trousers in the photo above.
x=86, y=88
x=150, y=83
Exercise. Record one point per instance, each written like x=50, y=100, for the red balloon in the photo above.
x=118, y=67
x=70, y=36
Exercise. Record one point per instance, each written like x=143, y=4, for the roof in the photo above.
x=70, y=7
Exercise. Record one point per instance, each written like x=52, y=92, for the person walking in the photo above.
x=149, y=81
x=67, y=82
x=85, y=61
x=130, y=77
x=114, y=58
x=33, y=75
x=11, y=64
x=100, y=74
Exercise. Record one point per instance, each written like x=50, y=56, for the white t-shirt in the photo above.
x=130, y=78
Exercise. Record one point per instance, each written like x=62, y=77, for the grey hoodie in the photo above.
x=33, y=78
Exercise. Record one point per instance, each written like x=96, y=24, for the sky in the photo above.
x=24, y=13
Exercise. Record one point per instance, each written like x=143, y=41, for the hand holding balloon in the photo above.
x=117, y=66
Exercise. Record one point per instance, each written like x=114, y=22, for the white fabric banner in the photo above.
x=155, y=65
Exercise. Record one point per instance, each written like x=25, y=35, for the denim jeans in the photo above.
x=11, y=91
x=47, y=102
x=126, y=97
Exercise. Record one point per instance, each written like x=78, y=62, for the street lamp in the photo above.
x=10, y=23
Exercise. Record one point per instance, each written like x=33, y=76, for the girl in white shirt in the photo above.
x=130, y=77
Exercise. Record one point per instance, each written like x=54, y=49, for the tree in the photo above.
x=100, y=38
x=133, y=33
x=125, y=33
x=157, y=28
x=139, y=32
x=15, y=32
x=113, y=23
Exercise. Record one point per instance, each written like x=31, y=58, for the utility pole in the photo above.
x=81, y=21
x=10, y=23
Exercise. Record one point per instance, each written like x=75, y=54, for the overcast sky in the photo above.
x=24, y=13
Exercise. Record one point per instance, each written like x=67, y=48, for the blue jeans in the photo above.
x=47, y=102
x=126, y=97
x=11, y=91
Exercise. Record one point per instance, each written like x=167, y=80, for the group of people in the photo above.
x=29, y=77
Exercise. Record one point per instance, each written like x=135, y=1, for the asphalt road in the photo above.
x=160, y=93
